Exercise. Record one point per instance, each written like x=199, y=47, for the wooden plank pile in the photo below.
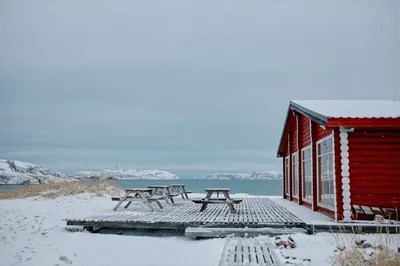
x=255, y=251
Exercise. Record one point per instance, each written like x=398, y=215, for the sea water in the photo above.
x=252, y=187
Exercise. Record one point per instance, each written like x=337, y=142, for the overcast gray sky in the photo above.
x=181, y=85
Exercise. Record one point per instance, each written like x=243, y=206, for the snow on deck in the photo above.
x=306, y=214
x=353, y=108
x=251, y=212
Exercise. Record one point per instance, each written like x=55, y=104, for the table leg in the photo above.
x=231, y=208
x=159, y=204
x=184, y=190
x=208, y=197
x=122, y=200
x=145, y=200
x=166, y=192
x=130, y=202
x=230, y=205
x=226, y=194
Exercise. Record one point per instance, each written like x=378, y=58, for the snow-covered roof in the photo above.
x=352, y=108
x=323, y=111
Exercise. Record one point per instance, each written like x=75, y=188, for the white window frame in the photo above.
x=332, y=208
x=302, y=168
x=295, y=169
x=287, y=175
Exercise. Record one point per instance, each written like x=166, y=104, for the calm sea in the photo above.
x=253, y=187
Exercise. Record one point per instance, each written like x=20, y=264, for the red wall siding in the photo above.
x=321, y=132
x=308, y=205
x=300, y=146
x=293, y=139
x=304, y=141
x=326, y=212
x=304, y=125
x=284, y=179
x=375, y=168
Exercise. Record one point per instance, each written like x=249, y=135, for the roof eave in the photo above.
x=314, y=116
x=278, y=153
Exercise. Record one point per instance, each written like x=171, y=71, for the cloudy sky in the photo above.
x=187, y=86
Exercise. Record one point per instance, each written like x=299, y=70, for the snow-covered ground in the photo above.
x=32, y=233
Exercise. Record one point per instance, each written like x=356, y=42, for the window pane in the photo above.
x=306, y=175
x=295, y=174
x=325, y=148
x=319, y=178
x=329, y=144
x=325, y=165
x=287, y=175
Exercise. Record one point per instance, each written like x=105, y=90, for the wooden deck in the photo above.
x=251, y=212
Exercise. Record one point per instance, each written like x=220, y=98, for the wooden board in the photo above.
x=248, y=251
x=251, y=212
x=201, y=232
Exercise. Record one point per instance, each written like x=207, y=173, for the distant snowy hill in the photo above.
x=243, y=176
x=127, y=174
x=21, y=173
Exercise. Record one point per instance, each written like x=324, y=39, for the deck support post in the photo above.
x=344, y=148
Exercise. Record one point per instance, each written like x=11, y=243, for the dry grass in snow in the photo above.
x=357, y=256
x=355, y=250
x=54, y=190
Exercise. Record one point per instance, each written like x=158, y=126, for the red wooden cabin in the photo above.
x=341, y=154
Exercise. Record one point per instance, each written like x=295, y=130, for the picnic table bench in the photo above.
x=164, y=191
x=180, y=188
x=142, y=194
x=226, y=200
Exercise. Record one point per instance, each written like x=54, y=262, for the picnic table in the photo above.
x=180, y=188
x=142, y=194
x=226, y=200
x=164, y=191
